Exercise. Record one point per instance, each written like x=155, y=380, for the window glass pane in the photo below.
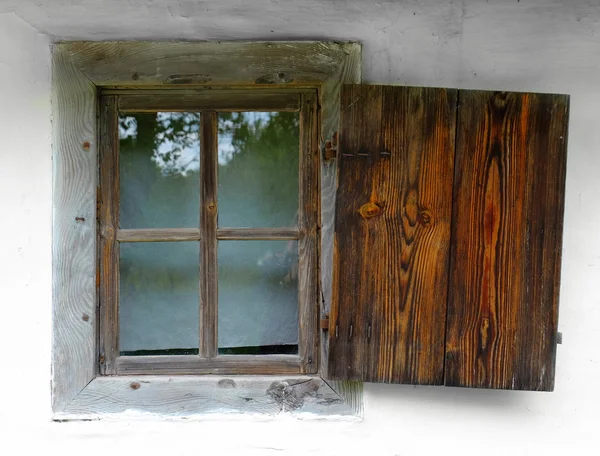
x=159, y=159
x=258, y=297
x=159, y=301
x=258, y=169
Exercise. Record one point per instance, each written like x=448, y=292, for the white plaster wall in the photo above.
x=514, y=45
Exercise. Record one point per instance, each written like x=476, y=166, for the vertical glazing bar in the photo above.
x=108, y=217
x=208, y=232
x=308, y=342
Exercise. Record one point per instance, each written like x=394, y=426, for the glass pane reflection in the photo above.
x=258, y=169
x=159, y=161
x=258, y=297
x=159, y=301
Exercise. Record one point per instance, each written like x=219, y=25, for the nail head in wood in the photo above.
x=134, y=385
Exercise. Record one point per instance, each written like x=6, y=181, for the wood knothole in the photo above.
x=370, y=210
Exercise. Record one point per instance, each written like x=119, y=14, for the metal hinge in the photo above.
x=331, y=147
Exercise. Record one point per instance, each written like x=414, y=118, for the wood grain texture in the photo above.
x=238, y=234
x=208, y=227
x=158, y=235
x=108, y=218
x=392, y=233
x=222, y=364
x=349, y=72
x=74, y=158
x=200, y=397
x=168, y=63
x=217, y=100
x=507, y=240
x=308, y=302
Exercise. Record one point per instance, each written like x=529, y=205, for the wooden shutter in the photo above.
x=392, y=234
x=506, y=241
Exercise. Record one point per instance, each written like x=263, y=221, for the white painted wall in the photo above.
x=528, y=45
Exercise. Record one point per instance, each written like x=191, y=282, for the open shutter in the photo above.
x=506, y=240
x=392, y=234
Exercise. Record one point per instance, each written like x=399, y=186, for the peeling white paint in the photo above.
x=531, y=45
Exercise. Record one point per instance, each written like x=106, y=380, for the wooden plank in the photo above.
x=266, y=234
x=217, y=100
x=108, y=217
x=222, y=364
x=308, y=219
x=208, y=227
x=329, y=93
x=392, y=233
x=506, y=240
x=350, y=72
x=200, y=397
x=145, y=63
x=74, y=159
x=158, y=235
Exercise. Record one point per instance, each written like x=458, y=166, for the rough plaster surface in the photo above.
x=514, y=45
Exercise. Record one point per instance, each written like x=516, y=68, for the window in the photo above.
x=438, y=238
x=205, y=75
x=208, y=219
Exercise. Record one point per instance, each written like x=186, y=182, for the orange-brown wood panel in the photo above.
x=506, y=240
x=392, y=234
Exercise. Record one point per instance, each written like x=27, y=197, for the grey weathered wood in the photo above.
x=208, y=227
x=266, y=234
x=74, y=149
x=145, y=63
x=308, y=304
x=352, y=394
x=158, y=235
x=75, y=167
x=222, y=364
x=218, y=100
x=198, y=397
x=108, y=217
x=348, y=72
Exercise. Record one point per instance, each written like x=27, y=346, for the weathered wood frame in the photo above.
x=79, y=70
x=208, y=103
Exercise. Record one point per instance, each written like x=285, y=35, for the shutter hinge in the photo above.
x=331, y=147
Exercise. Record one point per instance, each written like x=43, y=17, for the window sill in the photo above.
x=208, y=397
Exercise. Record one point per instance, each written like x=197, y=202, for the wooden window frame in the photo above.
x=79, y=71
x=208, y=104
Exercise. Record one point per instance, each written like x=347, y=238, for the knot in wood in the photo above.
x=370, y=210
x=134, y=385
x=425, y=218
x=274, y=78
x=86, y=145
x=107, y=232
x=226, y=383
